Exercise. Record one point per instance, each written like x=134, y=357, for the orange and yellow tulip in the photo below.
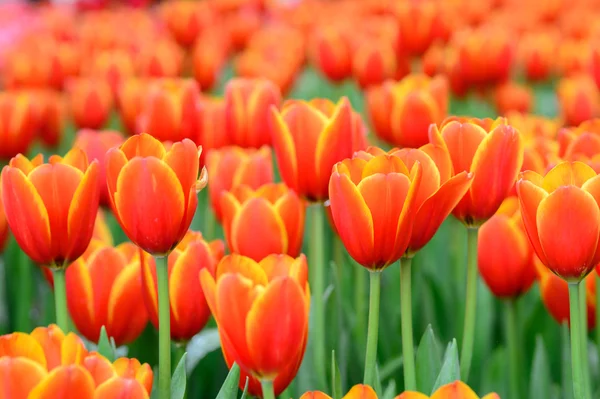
x=247, y=107
x=504, y=254
x=212, y=132
x=66, y=382
x=331, y=53
x=53, y=117
x=209, y=57
x=52, y=227
x=562, y=218
x=229, y=167
x=579, y=99
x=454, y=390
x=308, y=142
x=103, y=287
x=19, y=122
x=160, y=58
x=247, y=300
x=119, y=387
x=189, y=311
x=537, y=55
x=187, y=20
x=265, y=221
x=96, y=144
x=373, y=61
x=131, y=96
x=401, y=112
x=153, y=192
x=511, y=96
x=133, y=369
x=113, y=66
x=421, y=23
x=356, y=392
x=373, y=205
x=492, y=151
x=90, y=102
x=19, y=376
x=171, y=110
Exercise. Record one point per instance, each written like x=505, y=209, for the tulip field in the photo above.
x=307, y=199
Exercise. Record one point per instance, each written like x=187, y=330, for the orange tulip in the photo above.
x=554, y=292
x=189, y=311
x=421, y=23
x=19, y=376
x=4, y=230
x=511, y=96
x=153, y=192
x=247, y=300
x=242, y=24
x=95, y=144
x=23, y=68
x=454, y=390
x=52, y=227
x=209, y=57
x=90, y=102
x=19, y=121
x=113, y=66
x=160, y=58
x=504, y=255
x=360, y=195
x=492, y=151
x=119, y=387
x=572, y=57
x=265, y=221
x=102, y=290
x=132, y=368
x=562, y=218
x=212, y=134
x=579, y=99
x=308, y=143
x=131, y=96
x=52, y=348
x=65, y=382
x=247, y=104
x=331, y=53
x=537, y=53
x=187, y=20
x=373, y=61
x=53, y=117
x=232, y=166
x=401, y=112
x=357, y=392
x=99, y=367
x=171, y=110
x=581, y=143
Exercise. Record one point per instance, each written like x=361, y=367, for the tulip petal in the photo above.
x=19, y=375
x=438, y=151
x=384, y=164
x=80, y=294
x=352, y=218
x=51, y=339
x=436, y=208
x=244, y=266
x=455, y=390
x=411, y=395
x=184, y=159
x=121, y=388
x=361, y=391
x=430, y=181
x=462, y=141
x=22, y=345
x=150, y=202
x=275, y=324
x=292, y=211
x=530, y=197
x=567, y=173
x=72, y=350
x=66, y=382
x=209, y=287
x=285, y=149
x=26, y=212
x=143, y=145
x=315, y=395
x=257, y=230
x=99, y=367
x=568, y=222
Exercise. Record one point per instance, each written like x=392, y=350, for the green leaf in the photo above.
x=201, y=345
x=378, y=386
x=106, y=346
x=495, y=373
x=450, y=370
x=390, y=391
x=245, y=388
x=336, y=380
x=541, y=381
x=566, y=370
x=390, y=367
x=229, y=389
x=428, y=361
x=179, y=379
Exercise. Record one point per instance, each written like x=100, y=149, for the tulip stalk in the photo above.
x=584, y=336
x=373, y=328
x=317, y=264
x=579, y=389
x=466, y=354
x=360, y=303
x=60, y=298
x=267, y=389
x=408, y=348
x=164, y=328
x=512, y=338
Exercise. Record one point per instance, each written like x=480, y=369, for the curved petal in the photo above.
x=143, y=145
x=292, y=211
x=455, y=390
x=431, y=176
x=19, y=375
x=361, y=391
x=121, y=388
x=244, y=266
x=51, y=339
x=285, y=149
x=275, y=324
x=66, y=382
x=462, y=141
x=99, y=367
x=315, y=395
x=22, y=345
x=184, y=159
x=72, y=350
x=438, y=151
x=352, y=218
x=568, y=222
x=530, y=197
x=412, y=395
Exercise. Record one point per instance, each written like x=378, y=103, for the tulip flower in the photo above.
x=189, y=311
x=95, y=144
x=187, y=20
x=20, y=376
x=402, y=112
x=513, y=97
x=19, y=121
x=53, y=117
x=242, y=24
x=133, y=369
x=90, y=102
x=247, y=300
x=331, y=53
x=153, y=193
x=229, y=167
x=454, y=390
x=579, y=99
x=268, y=220
x=119, y=387
x=247, y=104
x=373, y=61
x=357, y=392
x=212, y=132
x=160, y=58
x=171, y=110
x=107, y=301
x=209, y=57
x=421, y=23
x=24, y=69
x=131, y=96
x=537, y=55
x=65, y=382
x=565, y=197
x=113, y=66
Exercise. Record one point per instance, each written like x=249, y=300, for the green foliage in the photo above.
x=229, y=390
x=178, y=382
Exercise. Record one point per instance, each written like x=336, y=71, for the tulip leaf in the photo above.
x=106, y=346
x=450, y=370
x=390, y=391
x=428, y=361
x=378, y=386
x=541, y=381
x=336, y=380
x=229, y=389
x=567, y=374
x=201, y=345
x=245, y=389
x=178, y=382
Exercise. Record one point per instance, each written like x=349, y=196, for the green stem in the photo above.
x=512, y=341
x=373, y=329
x=579, y=390
x=360, y=304
x=60, y=299
x=25, y=293
x=180, y=350
x=317, y=283
x=408, y=347
x=164, y=328
x=466, y=354
x=583, y=345
x=267, y=389
x=338, y=257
